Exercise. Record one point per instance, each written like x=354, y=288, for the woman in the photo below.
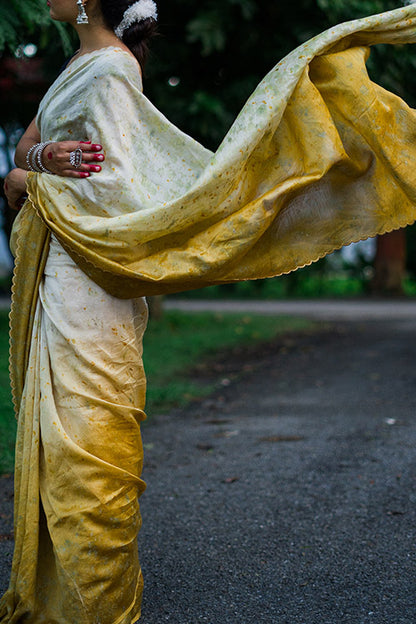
x=319, y=156
x=49, y=582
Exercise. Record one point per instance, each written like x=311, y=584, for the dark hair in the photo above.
x=138, y=35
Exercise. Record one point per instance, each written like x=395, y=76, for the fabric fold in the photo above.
x=79, y=456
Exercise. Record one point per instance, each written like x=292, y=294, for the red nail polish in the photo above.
x=95, y=168
x=85, y=141
x=99, y=157
x=84, y=174
x=96, y=147
x=50, y=155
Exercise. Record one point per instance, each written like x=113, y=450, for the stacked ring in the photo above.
x=75, y=158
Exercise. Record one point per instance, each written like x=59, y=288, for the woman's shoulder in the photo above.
x=115, y=61
x=112, y=65
x=111, y=62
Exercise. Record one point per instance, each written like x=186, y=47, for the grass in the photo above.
x=176, y=344
x=172, y=346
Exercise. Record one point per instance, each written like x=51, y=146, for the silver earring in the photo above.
x=82, y=17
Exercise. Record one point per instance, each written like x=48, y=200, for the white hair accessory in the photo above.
x=137, y=12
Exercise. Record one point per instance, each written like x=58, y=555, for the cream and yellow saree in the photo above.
x=319, y=156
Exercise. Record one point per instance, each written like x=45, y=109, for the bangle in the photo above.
x=29, y=157
x=39, y=152
x=34, y=158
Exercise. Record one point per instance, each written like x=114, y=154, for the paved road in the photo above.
x=330, y=310
x=287, y=497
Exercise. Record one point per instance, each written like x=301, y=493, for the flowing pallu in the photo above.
x=320, y=156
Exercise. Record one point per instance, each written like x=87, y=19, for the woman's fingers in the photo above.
x=91, y=152
x=75, y=173
x=89, y=157
x=83, y=168
x=86, y=168
x=57, y=158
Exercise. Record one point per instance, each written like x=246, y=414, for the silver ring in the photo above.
x=75, y=158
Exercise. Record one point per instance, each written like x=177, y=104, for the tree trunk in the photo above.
x=390, y=264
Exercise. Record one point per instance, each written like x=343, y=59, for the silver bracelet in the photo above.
x=29, y=157
x=39, y=152
x=34, y=158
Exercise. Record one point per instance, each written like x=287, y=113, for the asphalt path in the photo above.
x=288, y=496
x=322, y=309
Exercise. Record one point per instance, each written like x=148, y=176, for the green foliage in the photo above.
x=411, y=250
x=310, y=282
x=26, y=20
x=219, y=50
x=210, y=27
x=17, y=16
x=342, y=10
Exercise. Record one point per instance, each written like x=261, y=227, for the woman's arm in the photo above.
x=55, y=156
x=29, y=138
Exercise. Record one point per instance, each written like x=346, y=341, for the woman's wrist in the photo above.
x=34, y=158
x=15, y=187
x=22, y=149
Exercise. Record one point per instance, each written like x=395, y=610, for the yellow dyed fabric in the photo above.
x=79, y=456
x=320, y=156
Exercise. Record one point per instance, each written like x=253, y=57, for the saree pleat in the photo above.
x=22, y=591
x=79, y=456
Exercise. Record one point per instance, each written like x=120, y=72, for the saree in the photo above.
x=319, y=156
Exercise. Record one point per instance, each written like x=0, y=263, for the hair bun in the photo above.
x=137, y=12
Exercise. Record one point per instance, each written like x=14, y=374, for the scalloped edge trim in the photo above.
x=13, y=314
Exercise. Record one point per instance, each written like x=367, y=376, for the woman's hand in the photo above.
x=15, y=188
x=56, y=158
